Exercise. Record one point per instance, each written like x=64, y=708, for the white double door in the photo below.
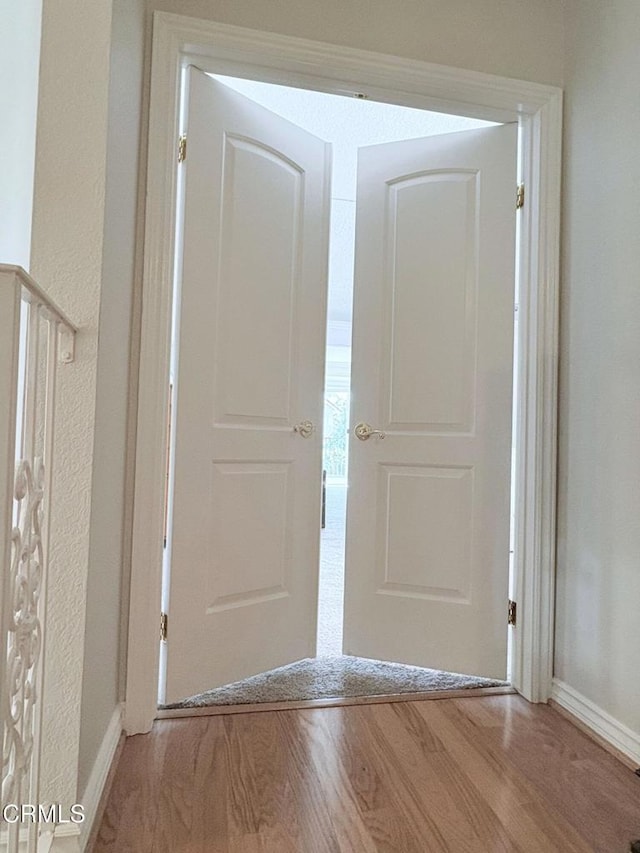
x=428, y=504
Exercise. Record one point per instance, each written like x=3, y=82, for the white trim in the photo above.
x=95, y=786
x=601, y=723
x=66, y=839
x=536, y=450
x=281, y=58
x=178, y=41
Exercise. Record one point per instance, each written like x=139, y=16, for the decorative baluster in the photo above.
x=27, y=381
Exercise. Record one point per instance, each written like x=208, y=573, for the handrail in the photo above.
x=34, y=335
x=34, y=294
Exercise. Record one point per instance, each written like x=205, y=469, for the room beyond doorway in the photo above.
x=331, y=579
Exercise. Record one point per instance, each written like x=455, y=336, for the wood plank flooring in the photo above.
x=472, y=775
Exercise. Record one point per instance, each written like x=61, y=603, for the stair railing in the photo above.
x=35, y=339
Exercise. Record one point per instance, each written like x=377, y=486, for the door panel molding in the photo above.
x=179, y=41
x=434, y=543
x=443, y=410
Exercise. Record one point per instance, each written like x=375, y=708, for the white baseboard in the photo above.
x=619, y=736
x=66, y=839
x=95, y=786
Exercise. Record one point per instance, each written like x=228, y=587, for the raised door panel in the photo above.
x=250, y=535
x=260, y=238
x=431, y=295
x=418, y=560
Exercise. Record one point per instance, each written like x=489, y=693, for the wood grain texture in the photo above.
x=471, y=775
x=104, y=798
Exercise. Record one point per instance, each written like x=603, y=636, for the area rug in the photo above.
x=333, y=677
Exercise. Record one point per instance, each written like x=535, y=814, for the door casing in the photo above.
x=179, y=41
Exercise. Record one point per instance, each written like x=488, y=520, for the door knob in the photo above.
x=364, y=432
x=304, y=429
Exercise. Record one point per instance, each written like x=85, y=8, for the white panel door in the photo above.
x=247, y=493
x=428, y=505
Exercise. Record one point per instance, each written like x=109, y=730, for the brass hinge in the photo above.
x=182, y=148
x=164, y=619
x=520, y=196
x=512, y=613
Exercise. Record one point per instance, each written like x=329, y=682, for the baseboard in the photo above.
x=621, y=739
x=66, y=839
x=95, y=786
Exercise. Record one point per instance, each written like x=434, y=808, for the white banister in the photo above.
x=35, y=337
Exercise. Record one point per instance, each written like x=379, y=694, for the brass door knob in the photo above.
x=364, y=432
x=304, y=429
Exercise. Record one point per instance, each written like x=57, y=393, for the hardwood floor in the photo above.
x=478, y=774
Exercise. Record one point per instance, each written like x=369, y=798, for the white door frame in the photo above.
x=179, y=41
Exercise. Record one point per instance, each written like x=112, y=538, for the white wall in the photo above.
x=100, y=688
x=598, y=590
x=19, y=61
x=66, y=259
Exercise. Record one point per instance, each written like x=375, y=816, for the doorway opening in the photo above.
x=179, y=42
x=348, y=124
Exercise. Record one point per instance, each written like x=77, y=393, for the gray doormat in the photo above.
x=331, y=678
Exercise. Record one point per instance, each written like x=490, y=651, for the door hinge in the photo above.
x=182, y=148
x=512, y=613
x=520, y=196
x=164, y=619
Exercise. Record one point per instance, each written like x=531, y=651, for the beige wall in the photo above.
x=598, y=601
x=66, y=259
x=100, y=688
x=514, y=38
